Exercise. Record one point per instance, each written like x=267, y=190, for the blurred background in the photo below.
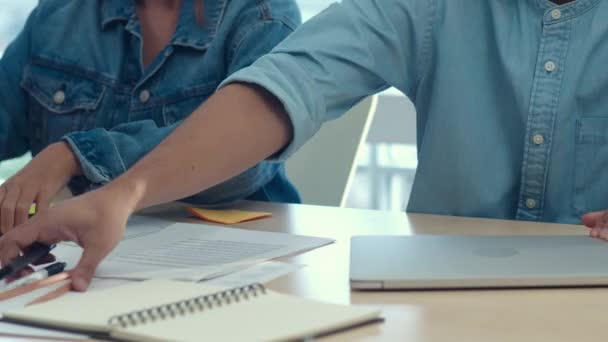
x=385, y=165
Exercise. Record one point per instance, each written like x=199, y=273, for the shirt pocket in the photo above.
x=59, y=103
x=591, y=165
x=179, y=106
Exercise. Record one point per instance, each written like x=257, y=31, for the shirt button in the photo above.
x=144, y=96
x=531, y=203
x=538, y=139
x=556, y=14
x=550, y=66
x=59, y=97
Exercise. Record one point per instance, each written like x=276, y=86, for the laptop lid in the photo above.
x=435, y=262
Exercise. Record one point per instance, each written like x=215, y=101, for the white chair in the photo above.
x=323, y=169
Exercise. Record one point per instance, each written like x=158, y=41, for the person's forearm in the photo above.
x=235, y=129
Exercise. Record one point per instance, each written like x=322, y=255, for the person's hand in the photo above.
x=96, y=221
x=597, y=222
x=39, y=181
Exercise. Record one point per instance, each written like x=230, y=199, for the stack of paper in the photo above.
x=191, y=252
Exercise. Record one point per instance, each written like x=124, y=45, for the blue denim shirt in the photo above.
x=76, y=73
x=511, y=96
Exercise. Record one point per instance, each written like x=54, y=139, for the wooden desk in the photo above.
x=499, y=315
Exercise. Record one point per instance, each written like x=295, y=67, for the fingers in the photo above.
x=18, y=240
x=22, y=209
x=13, y=242
x=85, y=270
x=591, y=219
x=7, y=211
x=3, y=191
x=15, y=205
x=9, y=250
x=601, y=233
x=43, y=201
x=598, y=224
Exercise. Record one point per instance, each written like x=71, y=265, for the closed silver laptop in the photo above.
x=437, y=262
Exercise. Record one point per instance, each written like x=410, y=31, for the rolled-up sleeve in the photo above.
x=106, y=154
x=351, y=50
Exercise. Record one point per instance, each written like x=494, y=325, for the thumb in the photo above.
x=592, y=219
x=85, y=270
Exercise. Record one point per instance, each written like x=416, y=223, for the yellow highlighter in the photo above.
x=32, y=209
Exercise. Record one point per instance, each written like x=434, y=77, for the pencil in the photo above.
x=33, y=286
x=58, y=292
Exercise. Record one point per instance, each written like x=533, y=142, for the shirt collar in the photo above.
x=567, y=11
x=116, y=10
x=187, y=33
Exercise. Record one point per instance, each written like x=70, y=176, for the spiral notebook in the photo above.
x=164, y=310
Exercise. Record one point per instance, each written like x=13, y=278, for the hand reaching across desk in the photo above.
x=39, y=181
x=93, y=221
x=251, y=129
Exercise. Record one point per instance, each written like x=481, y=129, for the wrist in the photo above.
x=127, y=192
x=68, y=159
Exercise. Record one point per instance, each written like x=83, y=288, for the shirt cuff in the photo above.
x=98, y=158
x=295, y=97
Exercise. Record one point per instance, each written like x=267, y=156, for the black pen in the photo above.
x=34, y=253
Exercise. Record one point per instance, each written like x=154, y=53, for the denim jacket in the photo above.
x=75, y=73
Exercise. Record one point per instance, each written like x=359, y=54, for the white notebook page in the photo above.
x=268, y=317
x=92, y=310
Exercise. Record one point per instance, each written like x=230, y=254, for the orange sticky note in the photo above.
x=227, y=216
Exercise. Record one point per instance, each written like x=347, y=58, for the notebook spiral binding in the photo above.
x=187, y=306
